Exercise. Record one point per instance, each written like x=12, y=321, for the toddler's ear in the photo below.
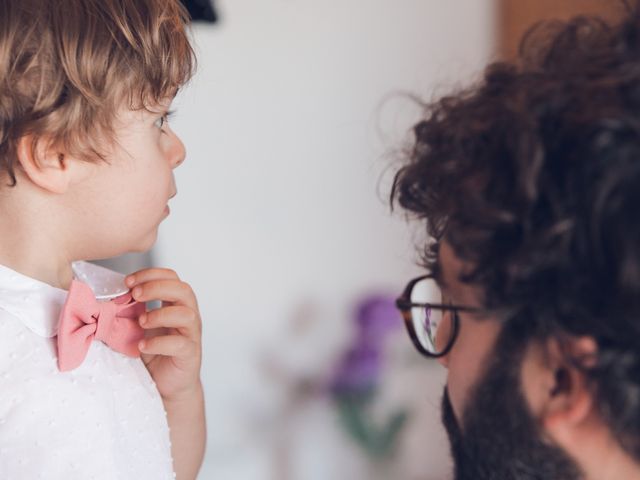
x=46, y=166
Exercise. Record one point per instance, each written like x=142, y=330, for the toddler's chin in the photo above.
x=148, y=243
x=141, y=244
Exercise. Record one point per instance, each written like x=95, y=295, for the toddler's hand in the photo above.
x=172, y=348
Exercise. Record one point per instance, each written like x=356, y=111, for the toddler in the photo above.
x=89, y=381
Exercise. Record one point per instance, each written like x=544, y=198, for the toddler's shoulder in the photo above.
x=20, y=346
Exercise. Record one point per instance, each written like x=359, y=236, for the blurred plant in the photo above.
x=356, y=380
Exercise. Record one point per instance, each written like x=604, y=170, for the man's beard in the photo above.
x=499, y=438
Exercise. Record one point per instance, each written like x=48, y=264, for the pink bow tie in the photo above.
x=84, y=319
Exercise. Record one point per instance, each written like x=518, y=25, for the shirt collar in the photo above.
x=38, y=304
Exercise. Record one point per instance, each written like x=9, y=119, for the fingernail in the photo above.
x=136, y=292
x=143, y=319
x=130, y=280
x=142, y=345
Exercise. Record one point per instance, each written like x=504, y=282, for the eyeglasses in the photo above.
x=432, y=324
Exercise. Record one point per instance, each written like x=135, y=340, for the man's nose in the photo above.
x=444, y=360
x=445, y=331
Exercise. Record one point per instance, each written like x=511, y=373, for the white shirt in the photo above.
x=104, y=420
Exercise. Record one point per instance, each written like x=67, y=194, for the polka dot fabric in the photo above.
x=103, y=420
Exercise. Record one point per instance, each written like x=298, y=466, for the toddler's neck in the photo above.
x=35, y=266
x=33, y=239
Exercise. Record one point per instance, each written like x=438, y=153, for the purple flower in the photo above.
x=359, y=369
x=376, y=317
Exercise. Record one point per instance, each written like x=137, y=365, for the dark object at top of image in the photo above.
x=201, y=10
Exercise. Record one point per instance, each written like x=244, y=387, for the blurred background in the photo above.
x=294, y=125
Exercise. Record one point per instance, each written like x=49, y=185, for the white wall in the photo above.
x=281, y=213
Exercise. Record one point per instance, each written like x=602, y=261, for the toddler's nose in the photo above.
x=177, y=151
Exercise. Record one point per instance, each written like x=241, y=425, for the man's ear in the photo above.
x=46, y=166
x=569, y=400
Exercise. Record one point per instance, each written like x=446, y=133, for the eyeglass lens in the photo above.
x=429, y=324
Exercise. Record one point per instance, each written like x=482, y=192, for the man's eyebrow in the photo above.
x=438, y=276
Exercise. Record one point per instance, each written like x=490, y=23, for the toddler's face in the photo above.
x=123, y=200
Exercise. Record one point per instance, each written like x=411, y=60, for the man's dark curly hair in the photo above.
x=533, y=175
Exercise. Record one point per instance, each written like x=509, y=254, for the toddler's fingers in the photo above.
x=170, y=346
x=149, y=274
x=185, y=320
x=172, y=291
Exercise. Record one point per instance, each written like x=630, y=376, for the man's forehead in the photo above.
x=449, y=269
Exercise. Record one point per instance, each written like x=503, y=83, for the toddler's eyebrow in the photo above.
x=167, y=113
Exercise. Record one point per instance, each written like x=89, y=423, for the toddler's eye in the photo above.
x=163, y=120
x=160, y=122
